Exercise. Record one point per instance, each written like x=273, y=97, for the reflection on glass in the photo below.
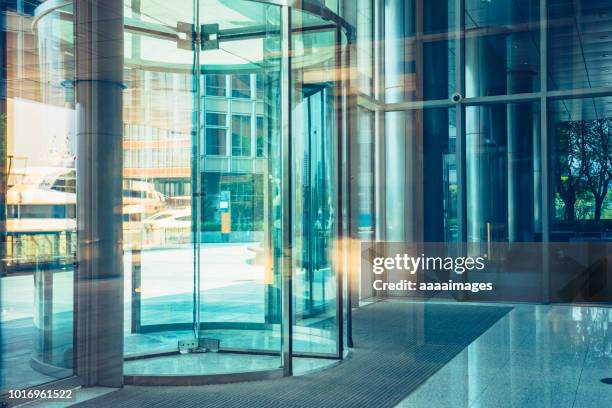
x=502, y=47
x=419, y=50
x=581, y=138
x=241, y=135
x=314, y=199
x=157, y=189
x=578, y=44
x=440, y=175
x=215, y=84
x=365, y=181
x=503, y=194
x=38, y=218
x=240, y=276
x=502, y=149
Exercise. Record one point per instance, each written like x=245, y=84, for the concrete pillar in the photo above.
x=98, y=28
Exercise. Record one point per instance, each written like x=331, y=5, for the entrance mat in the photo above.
x=398, y=345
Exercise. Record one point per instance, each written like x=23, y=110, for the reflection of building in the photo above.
x=233, y=153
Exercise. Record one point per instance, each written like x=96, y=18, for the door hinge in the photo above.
x=185, y=36
x=210, y=37
x=188, y=39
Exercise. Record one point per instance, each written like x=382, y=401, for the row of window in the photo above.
x=134, y=131
x=37, y=211
x=215, y=84
x=157, y=158
x=241, y=135
x=239, y=85
x=215, y=142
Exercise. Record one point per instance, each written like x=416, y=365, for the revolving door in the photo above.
x=234, y=120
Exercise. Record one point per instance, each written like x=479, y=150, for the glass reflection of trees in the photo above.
x=583, y=157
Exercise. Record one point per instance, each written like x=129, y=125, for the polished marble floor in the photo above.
x=535, y=356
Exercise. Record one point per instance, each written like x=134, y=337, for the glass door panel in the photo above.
x=158, y=107
x=239, y=271
x=314, y=202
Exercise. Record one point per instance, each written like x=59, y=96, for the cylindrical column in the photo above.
x=399, y=26
x=485, y=139
x=98, y=28
x=520, y=74
x=434, y=74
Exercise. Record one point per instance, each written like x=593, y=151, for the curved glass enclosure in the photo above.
x=233, y=129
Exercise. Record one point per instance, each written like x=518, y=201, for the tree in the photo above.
x=568, y=158
x=596, y=152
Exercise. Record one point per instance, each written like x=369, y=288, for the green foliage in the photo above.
x=583, y=162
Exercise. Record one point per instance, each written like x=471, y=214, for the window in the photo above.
x=215, y=133
x=241, y=135
x=215, y=141
x=215, y=85
x=215, y=119
x=241, y=86
x=260, y=141
x=259, y=86
x=40, y=211
x=66, y=183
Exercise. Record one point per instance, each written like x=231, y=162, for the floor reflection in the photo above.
x=535, y=356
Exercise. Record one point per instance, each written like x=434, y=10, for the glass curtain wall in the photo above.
x=494, y=135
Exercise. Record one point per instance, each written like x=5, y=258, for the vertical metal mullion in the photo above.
x=459, y=122
x=545, y=193
x=286, y=194
x=379, y=147
x=460, y=132
x=351, y=116
x=340, y=191
x=196, y=172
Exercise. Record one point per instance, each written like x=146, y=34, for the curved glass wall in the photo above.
x=226, y=209
x=38, y=205
x=315, y=204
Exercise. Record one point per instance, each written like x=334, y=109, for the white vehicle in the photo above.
x=171, y=218
x=143, y=195
x=168, y=227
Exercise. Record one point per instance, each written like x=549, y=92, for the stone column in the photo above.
x=98, y=28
